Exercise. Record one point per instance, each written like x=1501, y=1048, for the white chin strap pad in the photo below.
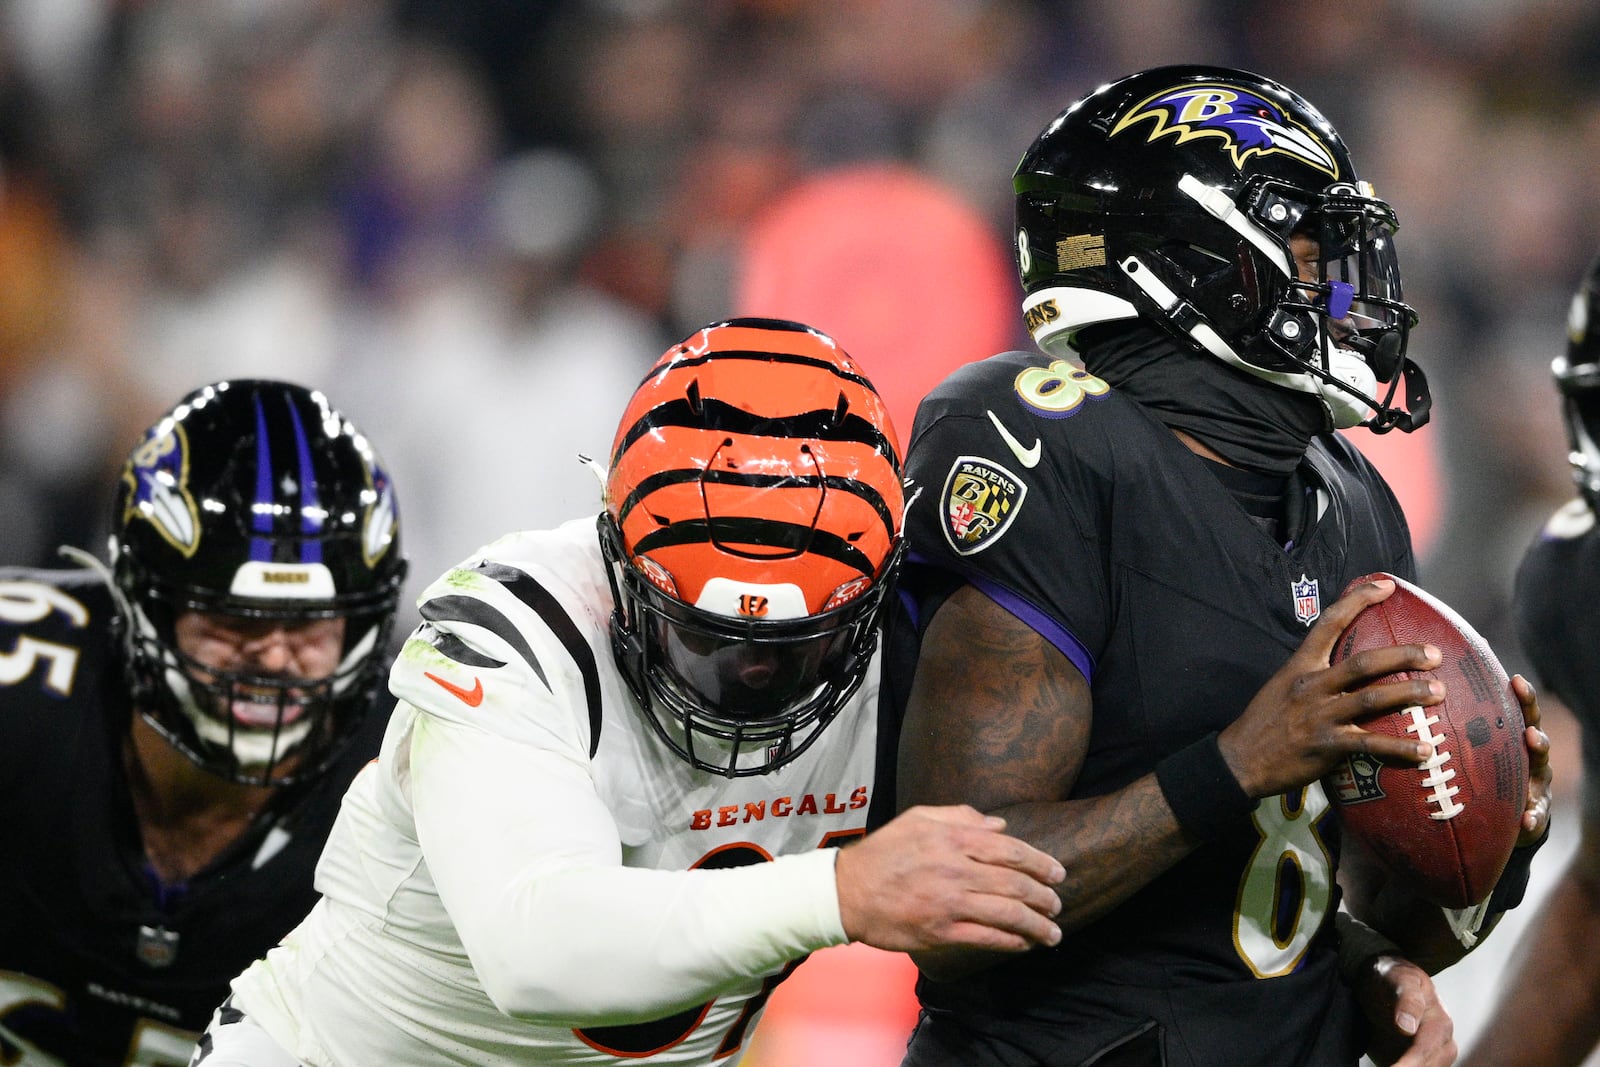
x=1352, y=370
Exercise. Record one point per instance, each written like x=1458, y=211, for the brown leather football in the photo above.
x=1445, y=827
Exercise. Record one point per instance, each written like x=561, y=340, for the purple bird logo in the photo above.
x=1246, y=123
x=157, y=474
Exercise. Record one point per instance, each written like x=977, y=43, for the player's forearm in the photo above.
x=1111, y=846
x=1429, y=935
x=1420, y=929
x=617, y=945
x=999, y=718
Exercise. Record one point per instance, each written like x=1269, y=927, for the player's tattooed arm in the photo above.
x=998, y=718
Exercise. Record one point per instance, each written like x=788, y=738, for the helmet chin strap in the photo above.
x=1186, y=317
x=1182, y=314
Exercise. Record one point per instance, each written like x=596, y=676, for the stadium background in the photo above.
x=475, y=222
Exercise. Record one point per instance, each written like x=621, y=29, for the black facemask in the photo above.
x=1248, y=422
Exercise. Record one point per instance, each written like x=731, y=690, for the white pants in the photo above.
x=233, y=1040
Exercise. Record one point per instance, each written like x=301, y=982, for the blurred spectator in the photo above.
x=56, y=448
x=477, y=349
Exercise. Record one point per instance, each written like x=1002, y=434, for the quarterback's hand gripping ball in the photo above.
x=1444, y=827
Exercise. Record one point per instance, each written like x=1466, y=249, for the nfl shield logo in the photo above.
x=157, y=946
x=1355, y=781
x=1307, y=604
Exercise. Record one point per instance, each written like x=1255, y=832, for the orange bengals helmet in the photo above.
x=751, y=531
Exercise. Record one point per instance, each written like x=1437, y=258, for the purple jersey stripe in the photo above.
x=1046, y=627
x=1042, y=624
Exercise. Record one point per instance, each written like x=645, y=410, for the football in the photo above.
x=1444, y=827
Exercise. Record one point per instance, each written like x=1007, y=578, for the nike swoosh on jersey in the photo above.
x=1028, y=457
x=470, y=697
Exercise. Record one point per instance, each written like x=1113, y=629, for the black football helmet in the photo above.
x=752, y=529
x=1223, y=207
x=259, y=501
x=1577, y=374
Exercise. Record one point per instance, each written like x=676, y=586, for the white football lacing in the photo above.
x=1441, y=793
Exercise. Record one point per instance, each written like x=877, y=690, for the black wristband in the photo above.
x=1201, y=789
x=1513, y=883
x=1359, y=945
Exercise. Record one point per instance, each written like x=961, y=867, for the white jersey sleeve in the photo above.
x=527, y=862
x=488, y=657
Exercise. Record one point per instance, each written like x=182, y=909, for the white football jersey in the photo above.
x=527, y=875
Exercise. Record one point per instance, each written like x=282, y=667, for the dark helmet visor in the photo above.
x=748, y=680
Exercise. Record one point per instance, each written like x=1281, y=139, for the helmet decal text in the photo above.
x=1079, y=251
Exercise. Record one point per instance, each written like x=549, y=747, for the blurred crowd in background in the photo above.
x=475, y=223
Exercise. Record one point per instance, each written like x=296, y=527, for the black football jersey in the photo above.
x=1556, y=593
x=1080, y=513
x=100, y=963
